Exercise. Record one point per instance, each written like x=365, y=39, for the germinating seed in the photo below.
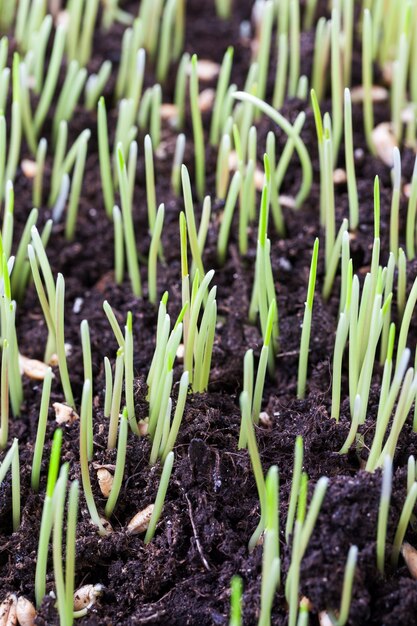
x=29, y=168
x=206, y=100
x=86, y=596
x=140, y=522
x=378, y=94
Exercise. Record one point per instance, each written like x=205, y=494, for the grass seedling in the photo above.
x=395, y=204
x=368, y=110
x=116, y=397
x=108, y=388
x=16, y=125
x=47, y=518
x=328, y=195
x=150, y=183
x=119, y=260
x=60, y=340
x=114, y=324
x=264, y=47
x=104, y=155
x=95, y=84
x=165, y=46
x=386, y=405
x=199, y=152
x=270, y=555
x=256, y=466
x=153, y=254
x=11, y=460
x=190, y=220
x=41, y=430
x=51, y=79
x=406, y=321
x=88, y=375
x=226, y=222
x=178, y=415
x=306, y=328
x=405, y=516
x=198, y=294
x=222, y=167
x=402, y=282
x=155, y=115
x=160, y=497
x=4, y=402
x=295, y=486
x=294, y=56
x=281, y=72
x=129, y=374
x=236, y=601
x=40, y=167
x=120, y=464
x=85, y=475
x=130, y=242
x=350, y=164
x=177, y=164
x=181, y=89
x=348, y=578
x=339, y=347
x=65, y=611
x=289, y=130
x=411, y=215
x=321, y=57
x=336, y=82
x=77, y=179
x=222, y=85
x=383, y=511
x=71, y=90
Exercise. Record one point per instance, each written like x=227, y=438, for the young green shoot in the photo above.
x=306, y=328
x=85, y=474
x=40, y=434
x=350, y=163
x=60, y=340
x=104, y=157
x=120, y=464
x=395, y=204
x=383, y=511
x=367, y=79
x=47, y=518
x=405, y=516
x=236, y=601
x=160, y=497
x=199, y=150
x=129, y=233
x=153, y=254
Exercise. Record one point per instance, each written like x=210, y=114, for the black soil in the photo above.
x=183, y=575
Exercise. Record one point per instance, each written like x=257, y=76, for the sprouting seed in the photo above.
x=86, y=596
x=140, y=522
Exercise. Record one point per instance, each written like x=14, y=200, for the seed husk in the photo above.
x=8, y=611
x=32, y=368
x=64, y=413
x=25, y=611
x=410, y=557
x=140, y=522
x=105, y=481
x=384, y=142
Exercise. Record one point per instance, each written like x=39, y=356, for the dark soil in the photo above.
x=183, y=576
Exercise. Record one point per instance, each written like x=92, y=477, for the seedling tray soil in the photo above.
x=182, y=577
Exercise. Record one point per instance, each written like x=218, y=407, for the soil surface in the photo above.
x=183, y=576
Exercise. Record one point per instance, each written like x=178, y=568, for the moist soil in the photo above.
x=183, y=576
